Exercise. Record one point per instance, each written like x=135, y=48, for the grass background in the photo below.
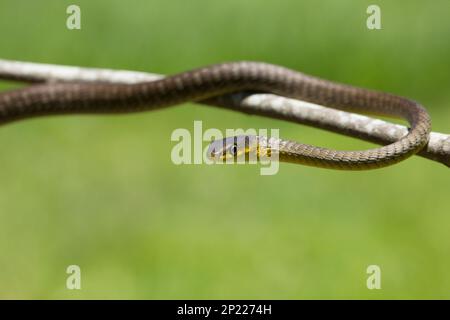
x=102, y=193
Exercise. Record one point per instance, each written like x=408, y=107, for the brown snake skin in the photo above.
x=210, y=82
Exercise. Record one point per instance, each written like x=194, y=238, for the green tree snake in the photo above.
x=209, y=83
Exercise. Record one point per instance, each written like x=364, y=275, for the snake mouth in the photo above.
x=216, y=156
x=214, y=153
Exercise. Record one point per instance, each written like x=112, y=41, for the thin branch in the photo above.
x=269, y=105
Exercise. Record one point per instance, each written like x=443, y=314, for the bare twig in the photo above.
x=350, y=124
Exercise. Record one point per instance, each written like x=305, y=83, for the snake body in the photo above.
x=210, y=82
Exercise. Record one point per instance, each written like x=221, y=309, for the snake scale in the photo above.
x=208, y=83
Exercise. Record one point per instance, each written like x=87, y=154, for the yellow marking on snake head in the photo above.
x=243, y=147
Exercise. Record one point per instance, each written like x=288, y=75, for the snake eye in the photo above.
x=233, y=150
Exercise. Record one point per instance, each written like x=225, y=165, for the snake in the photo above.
x=211, y=82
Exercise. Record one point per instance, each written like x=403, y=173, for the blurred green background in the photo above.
x=101, y=192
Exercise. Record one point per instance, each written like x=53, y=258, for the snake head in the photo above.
x=241, y=148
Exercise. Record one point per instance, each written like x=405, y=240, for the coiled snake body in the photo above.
x=213, y=81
